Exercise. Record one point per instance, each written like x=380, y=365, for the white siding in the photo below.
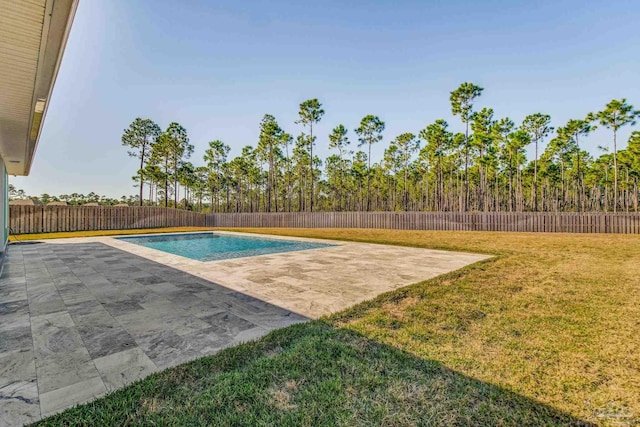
x=4, y=207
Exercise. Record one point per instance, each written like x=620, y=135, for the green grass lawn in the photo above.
x=546, y=333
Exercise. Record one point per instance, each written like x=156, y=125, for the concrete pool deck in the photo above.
x=82, y=317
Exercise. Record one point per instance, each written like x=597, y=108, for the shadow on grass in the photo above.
x=312, y=374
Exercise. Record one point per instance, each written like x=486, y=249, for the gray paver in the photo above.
x=125, y=367
x=20, y=402
x=78, y=321
x=62, y=398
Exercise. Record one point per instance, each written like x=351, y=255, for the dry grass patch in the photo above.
x=281, y=397
x=151, y=405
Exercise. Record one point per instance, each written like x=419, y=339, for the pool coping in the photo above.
x=119, y=238
x=327, y=243
x=108, y=240
x=319, y=281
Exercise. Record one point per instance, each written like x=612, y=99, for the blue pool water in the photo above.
x=211, y=246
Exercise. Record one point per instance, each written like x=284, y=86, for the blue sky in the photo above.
x=217, y=67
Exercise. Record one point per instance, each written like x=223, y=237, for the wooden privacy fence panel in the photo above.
x=550, y=222
x=48, y=219
x=51, y=219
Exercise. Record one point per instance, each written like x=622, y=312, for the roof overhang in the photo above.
x=33, y=35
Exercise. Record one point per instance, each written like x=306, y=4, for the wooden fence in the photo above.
x=565, y=222
x=46, y=219
x=50, y=219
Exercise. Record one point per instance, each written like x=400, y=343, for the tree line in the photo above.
x=74, y=199
x=484, y=168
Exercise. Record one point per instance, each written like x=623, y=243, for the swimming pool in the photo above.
x=213, y=246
